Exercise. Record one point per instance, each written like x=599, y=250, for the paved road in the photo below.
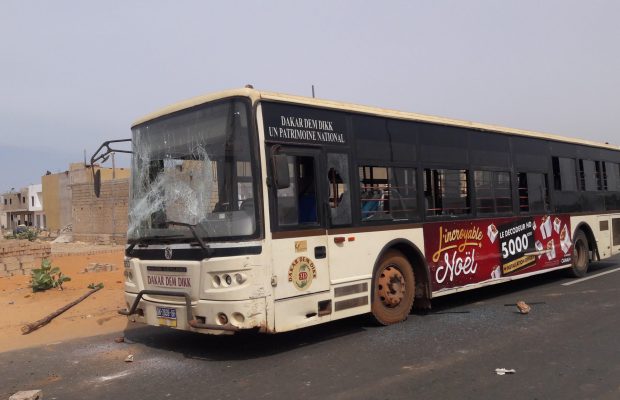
x=567, y=348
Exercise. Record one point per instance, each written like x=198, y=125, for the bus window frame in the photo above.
x=470, y=195
x=317, y=153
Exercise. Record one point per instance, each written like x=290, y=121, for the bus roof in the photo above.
x=256, y=95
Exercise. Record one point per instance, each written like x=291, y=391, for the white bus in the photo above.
x=264, y=211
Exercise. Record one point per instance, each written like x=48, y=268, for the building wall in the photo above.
x=15, y=200
x=57, y=191
x=19, y=257
x=35, y=197
x=56, y=200
x=102, y=219
x=15, y=208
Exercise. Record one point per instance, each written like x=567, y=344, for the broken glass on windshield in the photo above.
x=194, y=168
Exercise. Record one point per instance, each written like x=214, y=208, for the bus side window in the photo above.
x=388, y=193
x=493, y=192
x=339, y=185
x=533, y=192
x=296, y=204
x=446, y=192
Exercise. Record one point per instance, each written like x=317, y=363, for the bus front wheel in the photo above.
x=581, y=255
x=393, y=289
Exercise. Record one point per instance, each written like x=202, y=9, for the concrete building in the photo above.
x=58, y=191
x=100, y=219
x=22, y=207
x=35, y=205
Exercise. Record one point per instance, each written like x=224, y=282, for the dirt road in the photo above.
x=95, y=315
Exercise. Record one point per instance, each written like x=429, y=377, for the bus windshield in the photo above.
x=193, y=168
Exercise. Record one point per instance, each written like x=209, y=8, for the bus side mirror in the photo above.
x=97, y=182
x=280, y=171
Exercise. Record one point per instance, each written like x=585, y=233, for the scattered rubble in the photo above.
x=129, y=358
x=523, y=307
x=28, y=395
x=67, y=228
x=100, y=267
x=63, y=238
x=504, y=371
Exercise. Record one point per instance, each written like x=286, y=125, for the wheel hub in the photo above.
x=391, y=287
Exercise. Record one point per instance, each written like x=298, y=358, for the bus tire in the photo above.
x=581, y=255
x=393, y=289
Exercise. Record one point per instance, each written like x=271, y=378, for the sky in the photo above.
x=76, y=73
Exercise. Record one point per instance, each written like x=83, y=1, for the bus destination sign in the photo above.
x=473, y=252
x=303, y=125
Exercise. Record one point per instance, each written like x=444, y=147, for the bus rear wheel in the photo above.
x=581, y=256
x=393, y=289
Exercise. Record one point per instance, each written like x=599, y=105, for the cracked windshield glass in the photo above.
x=193, y=168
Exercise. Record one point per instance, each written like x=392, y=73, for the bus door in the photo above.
x=349, y=261
x=299, y=245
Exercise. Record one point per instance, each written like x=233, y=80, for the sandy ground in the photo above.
x=94, y=316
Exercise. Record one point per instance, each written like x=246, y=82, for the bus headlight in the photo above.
x=222, y=319
x=228, y=279
x=240, y=278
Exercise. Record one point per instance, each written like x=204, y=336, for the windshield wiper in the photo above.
x=192, y=227
x=148, y=239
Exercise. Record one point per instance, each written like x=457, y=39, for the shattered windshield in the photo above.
x=193, y=168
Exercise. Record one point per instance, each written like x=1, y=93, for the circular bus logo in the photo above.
x=301, y=273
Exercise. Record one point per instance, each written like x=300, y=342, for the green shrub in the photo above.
x=30, y=234
x=47, y=277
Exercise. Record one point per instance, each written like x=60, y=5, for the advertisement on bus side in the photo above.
x=462, y=253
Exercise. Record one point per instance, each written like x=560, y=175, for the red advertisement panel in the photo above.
x=467, y=252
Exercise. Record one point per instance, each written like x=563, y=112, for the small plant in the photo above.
x=97, y=286
x=29, y=234
x=47, y=277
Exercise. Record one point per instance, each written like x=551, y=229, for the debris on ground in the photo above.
x=129, y=358
x=28, y=395
x=100, y=267
x=45, y=320
x=523, y=307
x=504, y=371
x=11, y=302
x=65, y=238
x=119, y=339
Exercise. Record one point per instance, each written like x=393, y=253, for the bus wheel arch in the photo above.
x=416, y=262
x=584, y=248
x=592, y=247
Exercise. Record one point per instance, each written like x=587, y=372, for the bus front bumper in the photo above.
x=246, y=314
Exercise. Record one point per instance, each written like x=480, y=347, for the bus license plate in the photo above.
x=167, y=316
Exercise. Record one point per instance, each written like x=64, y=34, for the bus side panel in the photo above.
x=353, y=258
x=464, y=253
x=605, y=229
x=615, y=233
